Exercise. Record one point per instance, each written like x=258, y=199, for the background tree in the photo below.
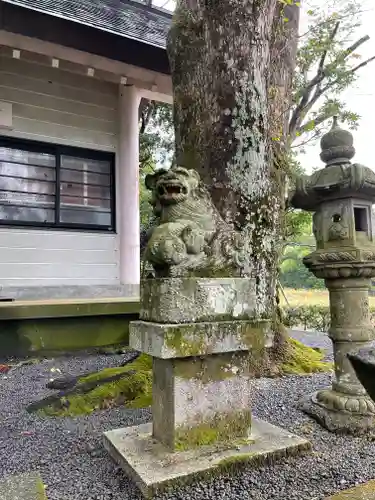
x=327, y=64
x=156, y=146
x=293, y=274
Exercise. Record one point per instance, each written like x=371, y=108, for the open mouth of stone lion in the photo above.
x=170, y=190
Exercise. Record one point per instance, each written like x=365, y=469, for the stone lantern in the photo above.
x=341, y=196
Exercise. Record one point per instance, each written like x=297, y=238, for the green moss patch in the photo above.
x=221, y=429
x=41, y=490
x=301, y=359
x=133, y=390
x=177, y=340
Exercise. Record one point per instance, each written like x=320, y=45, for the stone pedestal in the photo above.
x=201, y=378
x=346, y=406
x=203, y=340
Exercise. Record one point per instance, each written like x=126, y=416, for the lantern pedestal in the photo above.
x=345, y=407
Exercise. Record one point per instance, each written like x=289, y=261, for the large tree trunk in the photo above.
x=220, y=54
x=283, y=60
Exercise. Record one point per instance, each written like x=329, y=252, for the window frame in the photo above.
x=58, y=151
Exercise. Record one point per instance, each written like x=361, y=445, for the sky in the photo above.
x=359, y=98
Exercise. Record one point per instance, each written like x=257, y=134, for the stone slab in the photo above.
x=363, y=492
x=168, y=341
x=189, y=300
x=27, y=486
x=153, y=468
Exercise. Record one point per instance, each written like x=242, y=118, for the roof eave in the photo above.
x=36, y=24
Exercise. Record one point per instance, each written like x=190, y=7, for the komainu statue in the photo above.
x=190, y=238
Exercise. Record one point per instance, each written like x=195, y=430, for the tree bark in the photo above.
x=283, y=61
x=220, y=54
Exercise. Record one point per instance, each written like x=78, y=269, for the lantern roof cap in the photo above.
x=337, y=145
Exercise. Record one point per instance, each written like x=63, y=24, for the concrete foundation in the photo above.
x=154, y=468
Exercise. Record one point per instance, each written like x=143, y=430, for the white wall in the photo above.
x=54, y=106
x=38, y=257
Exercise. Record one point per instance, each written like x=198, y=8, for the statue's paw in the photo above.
x=179, y=271
x=194, y=240
x=190, y=264
x=174, y=252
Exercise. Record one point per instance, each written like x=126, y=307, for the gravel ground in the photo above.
x=69, y=455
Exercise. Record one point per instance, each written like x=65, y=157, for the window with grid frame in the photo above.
x=44, y=185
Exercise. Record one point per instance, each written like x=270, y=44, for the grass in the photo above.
x=309, y=298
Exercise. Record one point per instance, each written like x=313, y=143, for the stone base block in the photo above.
x=185, y=340
x=335, y=419
x=200, y=401
x=186, y=300
x=153, y=468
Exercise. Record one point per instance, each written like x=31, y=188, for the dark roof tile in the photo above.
x=121, y=17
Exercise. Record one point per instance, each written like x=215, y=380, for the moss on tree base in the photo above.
x=302, y=360
x=135, y=390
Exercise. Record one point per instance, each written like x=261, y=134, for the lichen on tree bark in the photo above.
x=220, y=55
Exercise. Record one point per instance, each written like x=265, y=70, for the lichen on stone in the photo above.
x=177, y=339
x=214, y=368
